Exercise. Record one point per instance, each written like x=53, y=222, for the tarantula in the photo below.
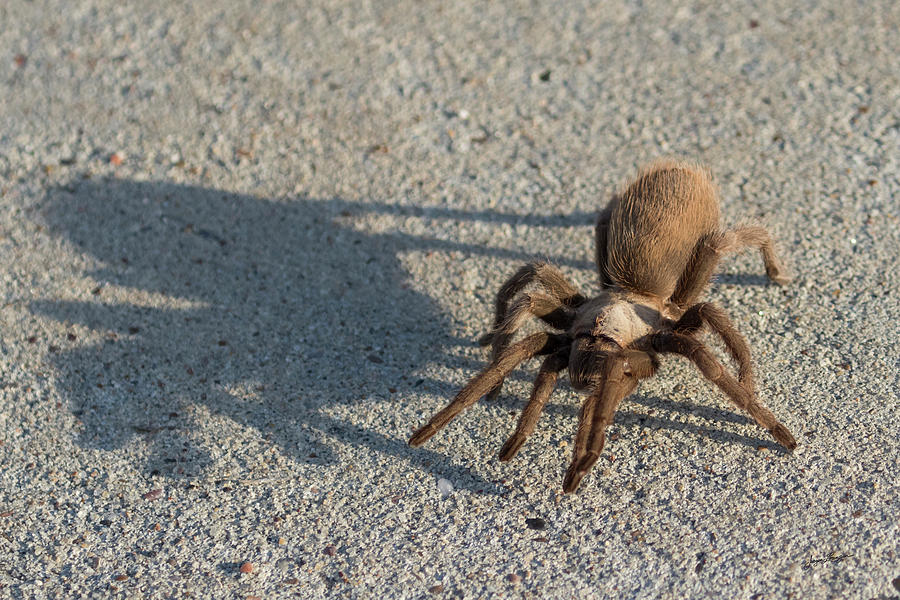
x=657, y=245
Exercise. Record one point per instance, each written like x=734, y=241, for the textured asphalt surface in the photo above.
x=245, y=251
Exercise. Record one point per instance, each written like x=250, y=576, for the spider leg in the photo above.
x=540, y=393
x=582, y=435
x=709, y=250
x=548, y=309
x=533, y=345
x=553, y=282
x=633, y=364
x=601, y=234
x=713, y=370
x=717, y=320
x=621, y=375
x=639, y=363
x=758, y=236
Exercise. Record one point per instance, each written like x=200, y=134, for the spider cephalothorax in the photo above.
x=657, y=244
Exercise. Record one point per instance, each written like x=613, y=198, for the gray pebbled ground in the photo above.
x=246, y=250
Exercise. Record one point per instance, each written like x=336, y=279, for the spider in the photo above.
x=657, y=245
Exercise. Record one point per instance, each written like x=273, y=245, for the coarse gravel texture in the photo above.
x=246, y=249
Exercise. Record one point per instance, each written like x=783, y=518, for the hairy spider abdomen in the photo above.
x=655, y=225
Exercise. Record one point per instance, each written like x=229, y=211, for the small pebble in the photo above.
x=444, y=487
x=536, y=523
x=436, y=589
x=330, y=550
x=152, y=494
x=247, y=567
x=283, y=564
x=513, y=578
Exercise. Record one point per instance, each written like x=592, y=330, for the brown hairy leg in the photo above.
x=709, y=251
x=534, y=345
x=717, y=319
x=548, y=309
x=540, y=393
x=596, y=415
x=713, y=370
x=585, y=421
x=621, y=373
x=553, y=282
x=601, y=234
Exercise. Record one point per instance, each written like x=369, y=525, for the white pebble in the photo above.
x=445, y=487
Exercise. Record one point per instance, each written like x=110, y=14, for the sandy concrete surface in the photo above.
x=247, y=247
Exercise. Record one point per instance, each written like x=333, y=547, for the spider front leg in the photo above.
x=713, y=370
x=534, y=345
x=540, y=393
x=620, y=374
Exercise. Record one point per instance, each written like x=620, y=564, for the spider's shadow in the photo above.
x=638, y=419
x=630, y=418
x=749, y=279
x=246, y=305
